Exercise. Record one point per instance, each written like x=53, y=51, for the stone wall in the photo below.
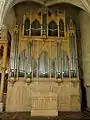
x=84, y=18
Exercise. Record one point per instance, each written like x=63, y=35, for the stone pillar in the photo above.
x=2, y=3
x=84, y=18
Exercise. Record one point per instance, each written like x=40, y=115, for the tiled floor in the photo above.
x=62, y=116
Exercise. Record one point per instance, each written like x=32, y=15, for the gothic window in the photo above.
x=27, y=27
x=44, y=65
x=52, y=29
x=35, y=28
x=61, y=28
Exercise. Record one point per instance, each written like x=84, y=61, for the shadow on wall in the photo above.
x=83, y=94
x=81, y=73
x=83, y=89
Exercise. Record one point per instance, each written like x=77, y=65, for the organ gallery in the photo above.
x=42, y=63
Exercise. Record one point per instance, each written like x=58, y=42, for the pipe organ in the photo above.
x=44, y=57
x=46, y=48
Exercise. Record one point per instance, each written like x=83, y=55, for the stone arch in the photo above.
x=10, y=4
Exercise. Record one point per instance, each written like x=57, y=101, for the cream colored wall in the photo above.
x=85, y=40
x=10, y=19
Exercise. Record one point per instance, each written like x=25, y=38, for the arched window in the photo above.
x=52, y=29
x=61, y=28
x=26, y=27
x=44, y=65
x=35, y=28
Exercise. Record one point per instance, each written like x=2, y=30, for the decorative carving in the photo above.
x=71, y=26
x=44, y=103
x=12, y=81
x=16, y=29
x=28, y=81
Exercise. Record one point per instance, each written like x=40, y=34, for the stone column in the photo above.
x=84, y=18
x=2, y=3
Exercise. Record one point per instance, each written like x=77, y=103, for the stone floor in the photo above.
x=85, y=115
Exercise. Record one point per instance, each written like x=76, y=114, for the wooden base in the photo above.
x=45, y=97
x=44, y=113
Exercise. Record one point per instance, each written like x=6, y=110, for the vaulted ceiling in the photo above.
x=8, y=4
x=84, y=4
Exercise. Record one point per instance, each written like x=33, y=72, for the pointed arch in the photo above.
x=26, y=27
x=52, y=29
x=35, y=28
x=61, y=28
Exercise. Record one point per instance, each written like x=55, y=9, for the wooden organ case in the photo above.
x=3, y=65
x=44, y=65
